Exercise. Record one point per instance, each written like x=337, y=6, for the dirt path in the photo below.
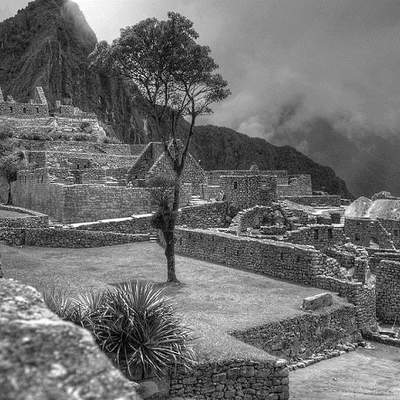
x=361, y=375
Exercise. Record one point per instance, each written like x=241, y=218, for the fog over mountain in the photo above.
x=320, y=75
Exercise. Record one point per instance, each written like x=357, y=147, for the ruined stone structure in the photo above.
x=37, y=107
x=387, y=291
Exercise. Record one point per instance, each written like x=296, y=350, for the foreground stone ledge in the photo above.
x=43, y=357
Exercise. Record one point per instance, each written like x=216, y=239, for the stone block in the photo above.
x=318, y=301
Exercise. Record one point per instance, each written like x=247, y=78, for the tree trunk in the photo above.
x=170, y=255
x=169, y=236
x=9, y=200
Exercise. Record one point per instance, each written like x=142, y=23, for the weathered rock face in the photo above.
x=43, y=357
x=47, y=44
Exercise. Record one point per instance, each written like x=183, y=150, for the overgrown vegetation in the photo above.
x=133, y=323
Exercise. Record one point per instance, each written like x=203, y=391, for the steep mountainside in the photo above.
x=48, y=43
x=223, y=148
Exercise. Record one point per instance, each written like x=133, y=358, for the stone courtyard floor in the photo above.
x=360, y=375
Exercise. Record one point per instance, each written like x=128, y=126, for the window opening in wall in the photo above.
x=357, y=237
x=281, y=256
x=11, y=109
x=37, y=110
x=237, y=252
x=330, y=233
x=298, y=259
x=235, y=185
x=224, y=249
x=24, y=110
x=316, y=234
x=396, y=232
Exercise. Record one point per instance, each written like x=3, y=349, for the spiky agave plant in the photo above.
x=139, y=326
x=134, y=323
x=66, y=307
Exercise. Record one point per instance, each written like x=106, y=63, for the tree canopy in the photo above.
x=176, y=76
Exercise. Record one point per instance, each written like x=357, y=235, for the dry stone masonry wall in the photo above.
x=233, y=379
x=306, y=334
x=387, y=291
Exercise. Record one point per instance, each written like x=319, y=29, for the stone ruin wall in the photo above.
x=202, y=216
x=387, y=291
x=85, y=202
x=76, y=147
x=295, y=185
x=54, y=159
x=297, y=263
x=364, y=231
x=214, y=176
x=320, y=236
x=33, y=191
x=233, y=379
x=248, y=191
x=37, y=107
x=66, y=238
x=304, y=335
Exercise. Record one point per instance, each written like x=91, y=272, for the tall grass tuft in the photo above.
x=133, y=323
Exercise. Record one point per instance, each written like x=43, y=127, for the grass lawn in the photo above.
x=213, y=299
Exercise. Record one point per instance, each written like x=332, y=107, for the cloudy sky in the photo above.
x=323, y=57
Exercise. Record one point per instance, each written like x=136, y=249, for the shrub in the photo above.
x=133, y=323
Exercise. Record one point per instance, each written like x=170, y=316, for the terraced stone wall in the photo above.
x=66, y=238
x=277, y=259
x=214, y=176
x=301, y=264
x=233, y=379
x=305, y=335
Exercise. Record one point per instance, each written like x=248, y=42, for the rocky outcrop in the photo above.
x=43, y=357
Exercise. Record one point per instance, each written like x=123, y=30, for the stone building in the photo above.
x=37, y=107
x=374, y=223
